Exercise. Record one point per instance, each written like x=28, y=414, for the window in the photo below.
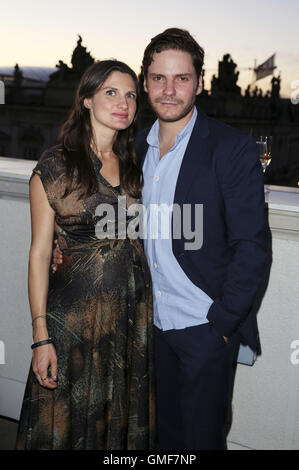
x=30, y=153
x=2, y=150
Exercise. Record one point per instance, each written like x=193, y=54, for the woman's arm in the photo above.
x=42, y=228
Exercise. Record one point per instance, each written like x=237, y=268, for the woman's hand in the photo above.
x=57, y=257
x=43, y=357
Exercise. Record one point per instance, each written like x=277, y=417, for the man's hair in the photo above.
x=174, y=39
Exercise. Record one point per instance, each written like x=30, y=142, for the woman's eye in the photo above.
x=110, y=92
x=131, y=95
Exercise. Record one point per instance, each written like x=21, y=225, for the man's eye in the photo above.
x=110, y=92
x=157, y=78
x=183, y=78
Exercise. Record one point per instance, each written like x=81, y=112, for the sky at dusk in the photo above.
x=37, y=32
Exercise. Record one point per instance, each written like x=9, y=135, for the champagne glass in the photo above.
x=269, y=149
x=265, y=150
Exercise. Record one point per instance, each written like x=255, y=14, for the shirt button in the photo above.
x=159, y=293
x=156, y=178
x=155, y=265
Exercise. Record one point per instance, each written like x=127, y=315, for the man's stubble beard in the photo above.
x=186, y=110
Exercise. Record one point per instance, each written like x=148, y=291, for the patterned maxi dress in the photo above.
x=99, y=315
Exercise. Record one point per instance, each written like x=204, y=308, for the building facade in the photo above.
x=37, y=102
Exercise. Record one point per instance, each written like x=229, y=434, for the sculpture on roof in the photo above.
x=214, y=85
x=81, y=59
x=63, y=69
x=226, y=82
x=247, y=92
x=275, y=82
x=62, y=84
x=254, y=93
x=18, y=76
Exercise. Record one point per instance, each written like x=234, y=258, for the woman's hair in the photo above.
x=76, y=136
x=174, y=39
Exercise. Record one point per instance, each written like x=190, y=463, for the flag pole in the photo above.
x=253, y=72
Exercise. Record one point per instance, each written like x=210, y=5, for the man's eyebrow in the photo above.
x=176, y=75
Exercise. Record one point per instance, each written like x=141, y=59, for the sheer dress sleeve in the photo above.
x=51, y=170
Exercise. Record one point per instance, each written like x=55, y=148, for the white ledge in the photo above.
x=282, y=198
x=283, y=202
x=16, y=168
x=14, y=177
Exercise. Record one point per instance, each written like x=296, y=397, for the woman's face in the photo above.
x=113, y=106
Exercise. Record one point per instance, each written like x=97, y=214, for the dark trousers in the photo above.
x=193, y=372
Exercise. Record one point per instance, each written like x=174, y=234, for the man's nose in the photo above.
x=169, y=89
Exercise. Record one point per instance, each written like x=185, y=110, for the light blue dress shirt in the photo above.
x=178, y=303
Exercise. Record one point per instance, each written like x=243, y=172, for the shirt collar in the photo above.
x=153, y=135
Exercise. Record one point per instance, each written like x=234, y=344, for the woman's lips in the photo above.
x=119, y=115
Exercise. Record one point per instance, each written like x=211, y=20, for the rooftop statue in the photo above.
x=247, y=92
x=226, y=82
x=214, y=85
x=254, y=93
x=275, y=82
x=81, y=59
x=63, y=69
x=18, y=76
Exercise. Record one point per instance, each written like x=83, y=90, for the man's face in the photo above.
x=172, y=84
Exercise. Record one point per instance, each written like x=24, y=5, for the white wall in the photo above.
x=15, y=320
x=266, y=396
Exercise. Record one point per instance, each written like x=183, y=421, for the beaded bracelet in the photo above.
x=41, y=343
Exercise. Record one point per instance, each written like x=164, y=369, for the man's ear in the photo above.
x=87, y=103
x=199, y=88
x=145, y=85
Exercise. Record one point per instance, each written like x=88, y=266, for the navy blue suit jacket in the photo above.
x=221, y=170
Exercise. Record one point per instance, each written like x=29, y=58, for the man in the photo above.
x=202, y=297
x=203, y=292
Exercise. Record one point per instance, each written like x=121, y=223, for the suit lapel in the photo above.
x=194, y=157
x=141, y=145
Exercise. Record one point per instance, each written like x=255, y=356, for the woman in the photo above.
x=90, y=385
